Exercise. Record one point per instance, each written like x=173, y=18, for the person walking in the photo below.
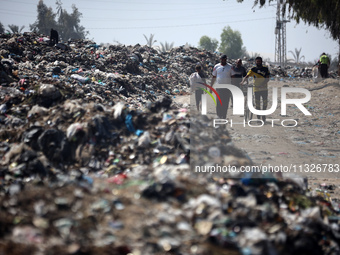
x=237, y=73
x=222, y=75
x=261, y=78
x=324, y=65
x=196, y=79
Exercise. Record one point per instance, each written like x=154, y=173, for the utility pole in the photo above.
x=280, y=36
x=278, y=51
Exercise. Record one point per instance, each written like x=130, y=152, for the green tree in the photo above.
x=45, y=19
x=2, y=29
x=296, y=55
x=231, y=43
x=208, y=43
x=69, y=24
x=150, y=41
x=15, y=29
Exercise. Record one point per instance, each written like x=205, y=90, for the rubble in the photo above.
x=96, y=160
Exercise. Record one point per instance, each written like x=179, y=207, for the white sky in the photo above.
x=180, y=22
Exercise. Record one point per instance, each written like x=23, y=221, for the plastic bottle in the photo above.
x=80, y=78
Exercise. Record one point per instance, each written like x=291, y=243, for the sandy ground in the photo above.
x=311, y=148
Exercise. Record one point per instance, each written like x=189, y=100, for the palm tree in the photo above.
x=187, y=45
x=2, y=29
x=15, y=29
x=166, y=46
x=296, y=55
x=250, y=55
x=150, y=41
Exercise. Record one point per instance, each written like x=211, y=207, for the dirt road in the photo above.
x=307, y=145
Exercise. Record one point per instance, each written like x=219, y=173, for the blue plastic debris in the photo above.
x=128, y=123
x=139, y=132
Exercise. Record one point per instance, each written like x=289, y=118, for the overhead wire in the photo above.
x=12, y=13
x=236, y=7
x=206, y=15
x=190, y=25
x=181, y=18
x=19, y=2
x=16, y=11
x=138, y=8
x=210, y=16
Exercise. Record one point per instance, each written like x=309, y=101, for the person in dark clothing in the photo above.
x=237, y=73
x=54, y=37
x=324, y=65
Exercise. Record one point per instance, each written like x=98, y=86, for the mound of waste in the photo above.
x=95, y=159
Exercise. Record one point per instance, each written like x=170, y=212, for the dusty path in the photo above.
x=314, y=140
x=311, y=148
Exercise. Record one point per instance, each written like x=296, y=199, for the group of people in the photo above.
x=224, y=73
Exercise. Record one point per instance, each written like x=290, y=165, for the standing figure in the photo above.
x=237, y=73
x=261, y=78
x=324, y=65
x=196, y=79
x=54, y=37
x=222, y=75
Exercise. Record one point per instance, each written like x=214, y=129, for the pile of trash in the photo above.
x=95, y=159
x=297, y=73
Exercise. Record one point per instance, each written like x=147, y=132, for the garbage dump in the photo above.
x=297, y=73
x=95, y=159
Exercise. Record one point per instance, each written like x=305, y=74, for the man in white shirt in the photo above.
x=222, y=75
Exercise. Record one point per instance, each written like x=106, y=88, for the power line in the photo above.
x=12, y=13
x=191, y=25
x=148, y=9
x=172, y=18
x=133, y=3
x=18, y=2
x=27, y=14
x=16, y=11
x=195, y=8
x=199, y=7
x=148, y=3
